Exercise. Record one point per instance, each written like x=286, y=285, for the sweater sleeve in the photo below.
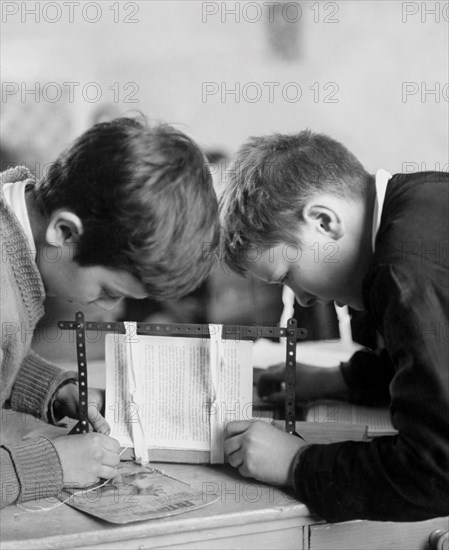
x=368, y=375
x=403, y=477
x=35, y=385
x=30, y=470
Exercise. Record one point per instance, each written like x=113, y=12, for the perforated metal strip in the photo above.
x=290, y=378
x=234, y=332
x=83, y=425
x=237, y=332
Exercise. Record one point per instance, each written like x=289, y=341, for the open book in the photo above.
x=376, y=419
x=170, y=398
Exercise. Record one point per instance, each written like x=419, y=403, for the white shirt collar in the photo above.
x=382, y=179
x=15, y=197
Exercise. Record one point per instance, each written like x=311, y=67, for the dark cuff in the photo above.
x=302, y=467
x=295, y=463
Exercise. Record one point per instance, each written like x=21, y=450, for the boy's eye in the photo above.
x=111, y=296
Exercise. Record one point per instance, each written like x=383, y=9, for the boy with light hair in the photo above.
x=378, y=243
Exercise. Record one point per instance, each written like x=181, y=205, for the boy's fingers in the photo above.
x=97, y=421
x=237, y=427
x=102, y=427
x=110, y=459
x=107, y=472
x=231, y=445
x=235, y=460
x=108, y=444
x=243, y=470
x=112, y=445
x=97, y=398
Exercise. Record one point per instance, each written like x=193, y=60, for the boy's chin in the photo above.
x=357, y=305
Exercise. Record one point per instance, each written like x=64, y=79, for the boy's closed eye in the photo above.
x=110, y=295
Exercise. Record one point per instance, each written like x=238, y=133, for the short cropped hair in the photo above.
x=272, y=179
x=146, y=200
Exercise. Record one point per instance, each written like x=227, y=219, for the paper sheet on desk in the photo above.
x=139, y=493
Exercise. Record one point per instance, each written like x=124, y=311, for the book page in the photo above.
x=175, y=397
x=377, y=419
x=325, y=432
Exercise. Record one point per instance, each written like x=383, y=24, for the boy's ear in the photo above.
x=325, y=219
x=64, y=227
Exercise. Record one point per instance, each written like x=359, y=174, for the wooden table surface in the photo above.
x=245, y=515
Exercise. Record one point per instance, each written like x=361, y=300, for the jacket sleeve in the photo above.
x=35, y=385
x=403, y=477
x=30, y=470
x=368, y=375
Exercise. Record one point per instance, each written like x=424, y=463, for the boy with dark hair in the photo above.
x=127, y=210
x=301, y=210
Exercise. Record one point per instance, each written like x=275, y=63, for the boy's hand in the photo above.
x=312, y=383
x=66, y=404
x=86, y=458
x=262, y=451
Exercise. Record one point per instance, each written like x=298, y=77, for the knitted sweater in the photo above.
x=31, y=469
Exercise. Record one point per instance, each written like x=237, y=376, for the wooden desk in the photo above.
x=246, y=515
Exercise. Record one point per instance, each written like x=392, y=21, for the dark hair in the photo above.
x=272, y=180
x=146, y=200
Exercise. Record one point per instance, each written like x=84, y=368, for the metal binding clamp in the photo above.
x=82, y=426
x=290, y=378
x=239, y=332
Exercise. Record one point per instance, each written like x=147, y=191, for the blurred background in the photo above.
x=372, y=74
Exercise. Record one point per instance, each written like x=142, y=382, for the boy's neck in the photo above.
x=365, y=249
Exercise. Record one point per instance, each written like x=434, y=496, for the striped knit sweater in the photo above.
x=30, y=469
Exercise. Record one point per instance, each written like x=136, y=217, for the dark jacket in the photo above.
x=403, y=477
